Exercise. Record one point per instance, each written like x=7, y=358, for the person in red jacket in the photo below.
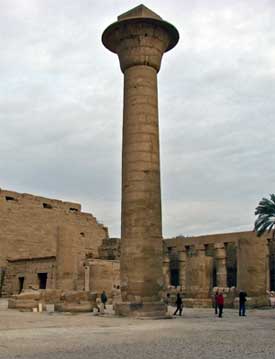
x=220, y=302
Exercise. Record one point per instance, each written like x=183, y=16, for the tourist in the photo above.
x=167, y=299
x=178, y=304
x=220, y=302
x=242, y=300
x=97, y=304
x=216, y=302
x=104, y=299
x=272, y=299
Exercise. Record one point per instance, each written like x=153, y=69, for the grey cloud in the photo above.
x=61, y=109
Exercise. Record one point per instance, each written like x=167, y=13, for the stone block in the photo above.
x=51, y=296
x=141, y=310
x=75, y=296
x=50, y=308
x=74, y=307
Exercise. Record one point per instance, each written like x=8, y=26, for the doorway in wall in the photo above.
x=42, y=280
x=174, y=267
x=231, y=264
x=175, y=277
x=20, y=284
x=214, y=274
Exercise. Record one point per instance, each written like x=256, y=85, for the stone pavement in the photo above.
x=3, y=304
x=198, y=334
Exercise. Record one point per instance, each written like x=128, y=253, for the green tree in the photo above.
x=266, y=216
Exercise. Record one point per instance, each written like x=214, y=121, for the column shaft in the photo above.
x=166, y=271
x=141, y=246
x=182, y=268
x=221, y=270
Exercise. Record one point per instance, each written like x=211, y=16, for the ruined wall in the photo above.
x=30, y=228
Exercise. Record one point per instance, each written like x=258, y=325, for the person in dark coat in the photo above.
x=215, y=302
x=104, y=299
x=242, y=300
x=220, y=302
x=178, y=304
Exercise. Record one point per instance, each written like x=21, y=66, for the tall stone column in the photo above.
x=221, y=272
x=182, y=268
x=205, y=264
x=139, y=38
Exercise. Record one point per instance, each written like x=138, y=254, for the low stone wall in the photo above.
x=71, y=301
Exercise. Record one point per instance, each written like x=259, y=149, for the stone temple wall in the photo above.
x=240, y=261
x=33, y=227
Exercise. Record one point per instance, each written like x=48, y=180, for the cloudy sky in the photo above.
x=61, y=109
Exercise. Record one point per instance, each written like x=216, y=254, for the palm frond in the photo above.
x=266, y=216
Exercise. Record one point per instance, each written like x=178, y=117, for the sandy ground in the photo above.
x=197, y=334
